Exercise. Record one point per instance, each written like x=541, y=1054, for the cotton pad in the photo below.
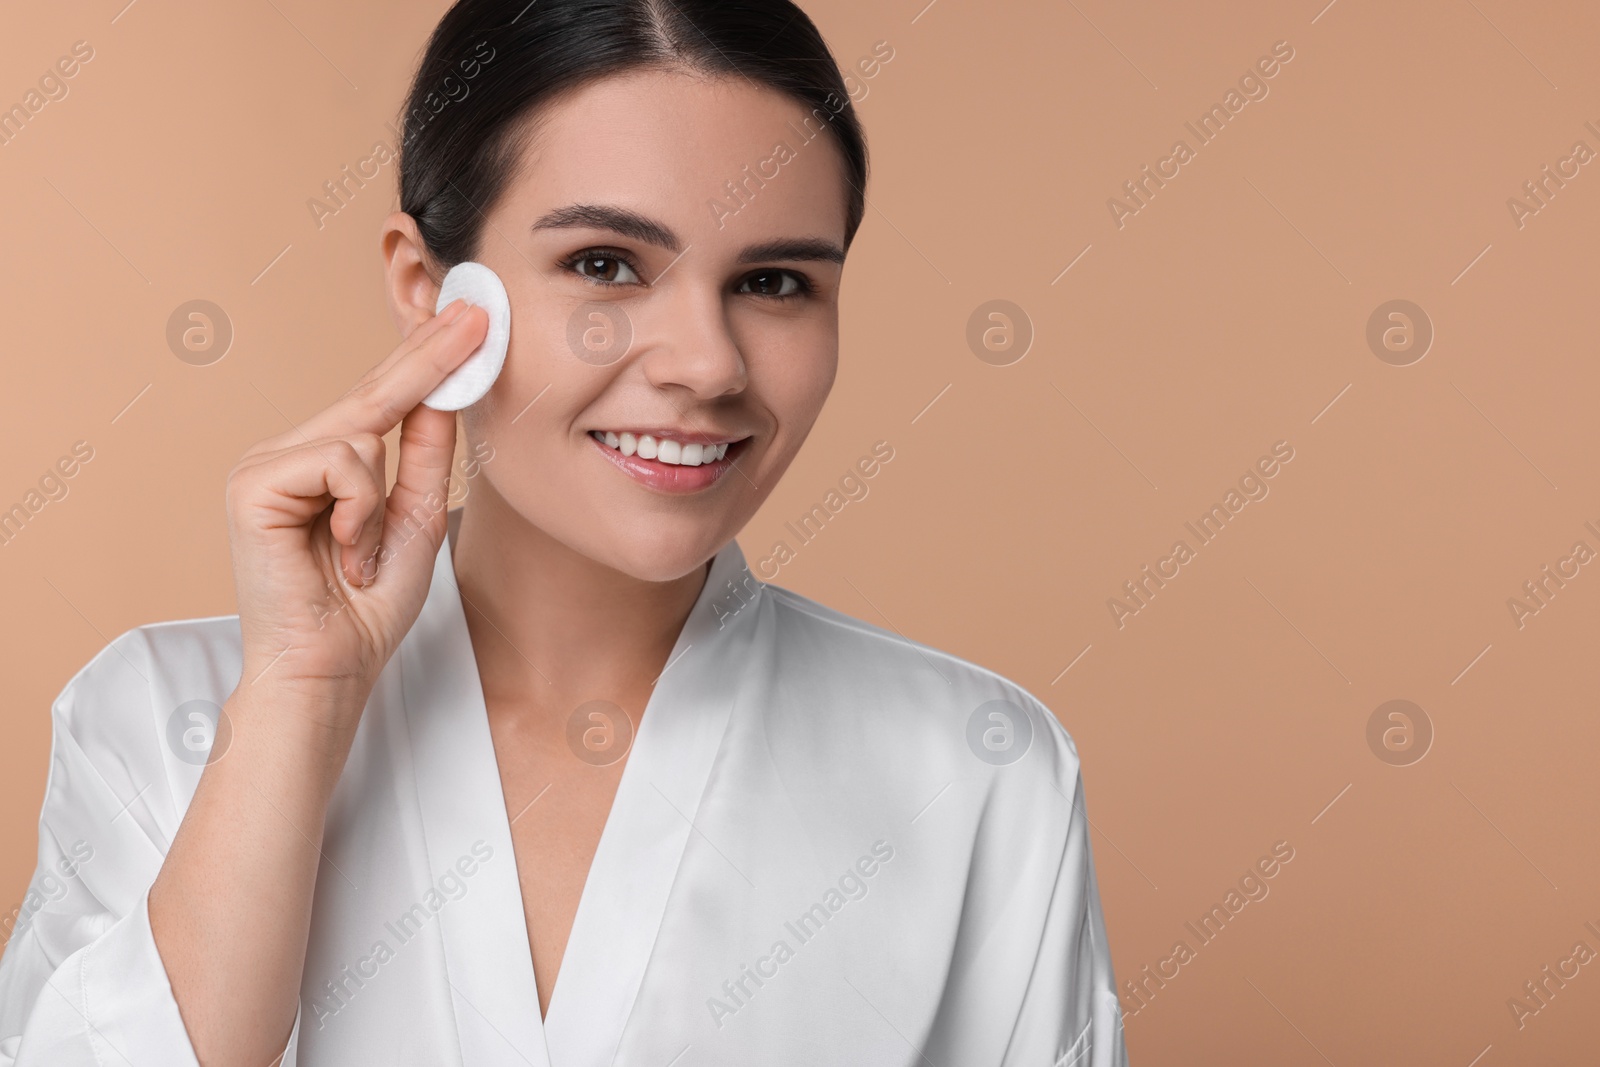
x=476, y=284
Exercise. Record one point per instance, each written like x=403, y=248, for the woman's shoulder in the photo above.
x=162, y=650
x=914, y=687
x=145, y=675
x=134, y=726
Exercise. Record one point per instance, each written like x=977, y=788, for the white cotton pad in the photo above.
x=476, y=284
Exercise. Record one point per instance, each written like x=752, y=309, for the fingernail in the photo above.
x=453, y=310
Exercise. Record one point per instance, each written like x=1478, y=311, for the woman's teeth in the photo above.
x=662, y=449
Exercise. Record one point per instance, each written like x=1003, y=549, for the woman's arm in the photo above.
x=1070, y=1015
x=99, y=957
x=231, y=908
x=82, y=983
x=330, y=573
x=331, y=570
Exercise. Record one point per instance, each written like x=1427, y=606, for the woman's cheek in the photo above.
x=798, y=371
x=535, y=359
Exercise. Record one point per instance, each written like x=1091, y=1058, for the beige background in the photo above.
x=1228, y=314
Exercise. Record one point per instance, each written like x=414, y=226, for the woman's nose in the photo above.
x=683, y=338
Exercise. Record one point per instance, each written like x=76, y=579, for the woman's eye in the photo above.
x=779, y=284
x=609, y=269
x=606, y=268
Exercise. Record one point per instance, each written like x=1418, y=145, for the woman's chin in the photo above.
x=650, y=550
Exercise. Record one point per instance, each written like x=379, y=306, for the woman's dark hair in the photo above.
x=492, y=65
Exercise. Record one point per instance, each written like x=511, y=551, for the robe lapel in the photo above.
x=651, y=820
x=488, y=963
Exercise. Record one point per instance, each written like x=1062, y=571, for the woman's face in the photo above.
x=647, y=300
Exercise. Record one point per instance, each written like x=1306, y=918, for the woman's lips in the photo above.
x=671, y=477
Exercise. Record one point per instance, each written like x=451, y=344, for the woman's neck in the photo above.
x=552, y=628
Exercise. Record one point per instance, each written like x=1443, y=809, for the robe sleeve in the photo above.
x=1070, y=1015
x=81, y=981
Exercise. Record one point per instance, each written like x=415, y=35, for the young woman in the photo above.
x=552, y=778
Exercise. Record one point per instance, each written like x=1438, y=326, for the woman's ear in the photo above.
x=409, y=282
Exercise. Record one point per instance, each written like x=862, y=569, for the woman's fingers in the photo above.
x=338, y=454
x=292, y=488
x=378, y=403
x=362, y=531
x=425, y=329
x=421, y=491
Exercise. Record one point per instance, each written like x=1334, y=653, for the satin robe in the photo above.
x=829, y=845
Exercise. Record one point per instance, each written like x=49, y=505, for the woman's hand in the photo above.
x=331, y=570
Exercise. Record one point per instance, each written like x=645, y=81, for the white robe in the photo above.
x=821, y=851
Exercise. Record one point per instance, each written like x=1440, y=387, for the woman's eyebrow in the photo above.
x=601, y=216
x=813, y=248
x=642, y=228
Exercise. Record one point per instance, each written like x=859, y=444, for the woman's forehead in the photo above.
x=701, y=155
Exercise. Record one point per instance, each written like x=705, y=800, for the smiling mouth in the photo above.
x=669, y=474
x=668, y=450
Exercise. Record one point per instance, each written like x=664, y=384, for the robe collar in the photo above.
x=489, y=966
